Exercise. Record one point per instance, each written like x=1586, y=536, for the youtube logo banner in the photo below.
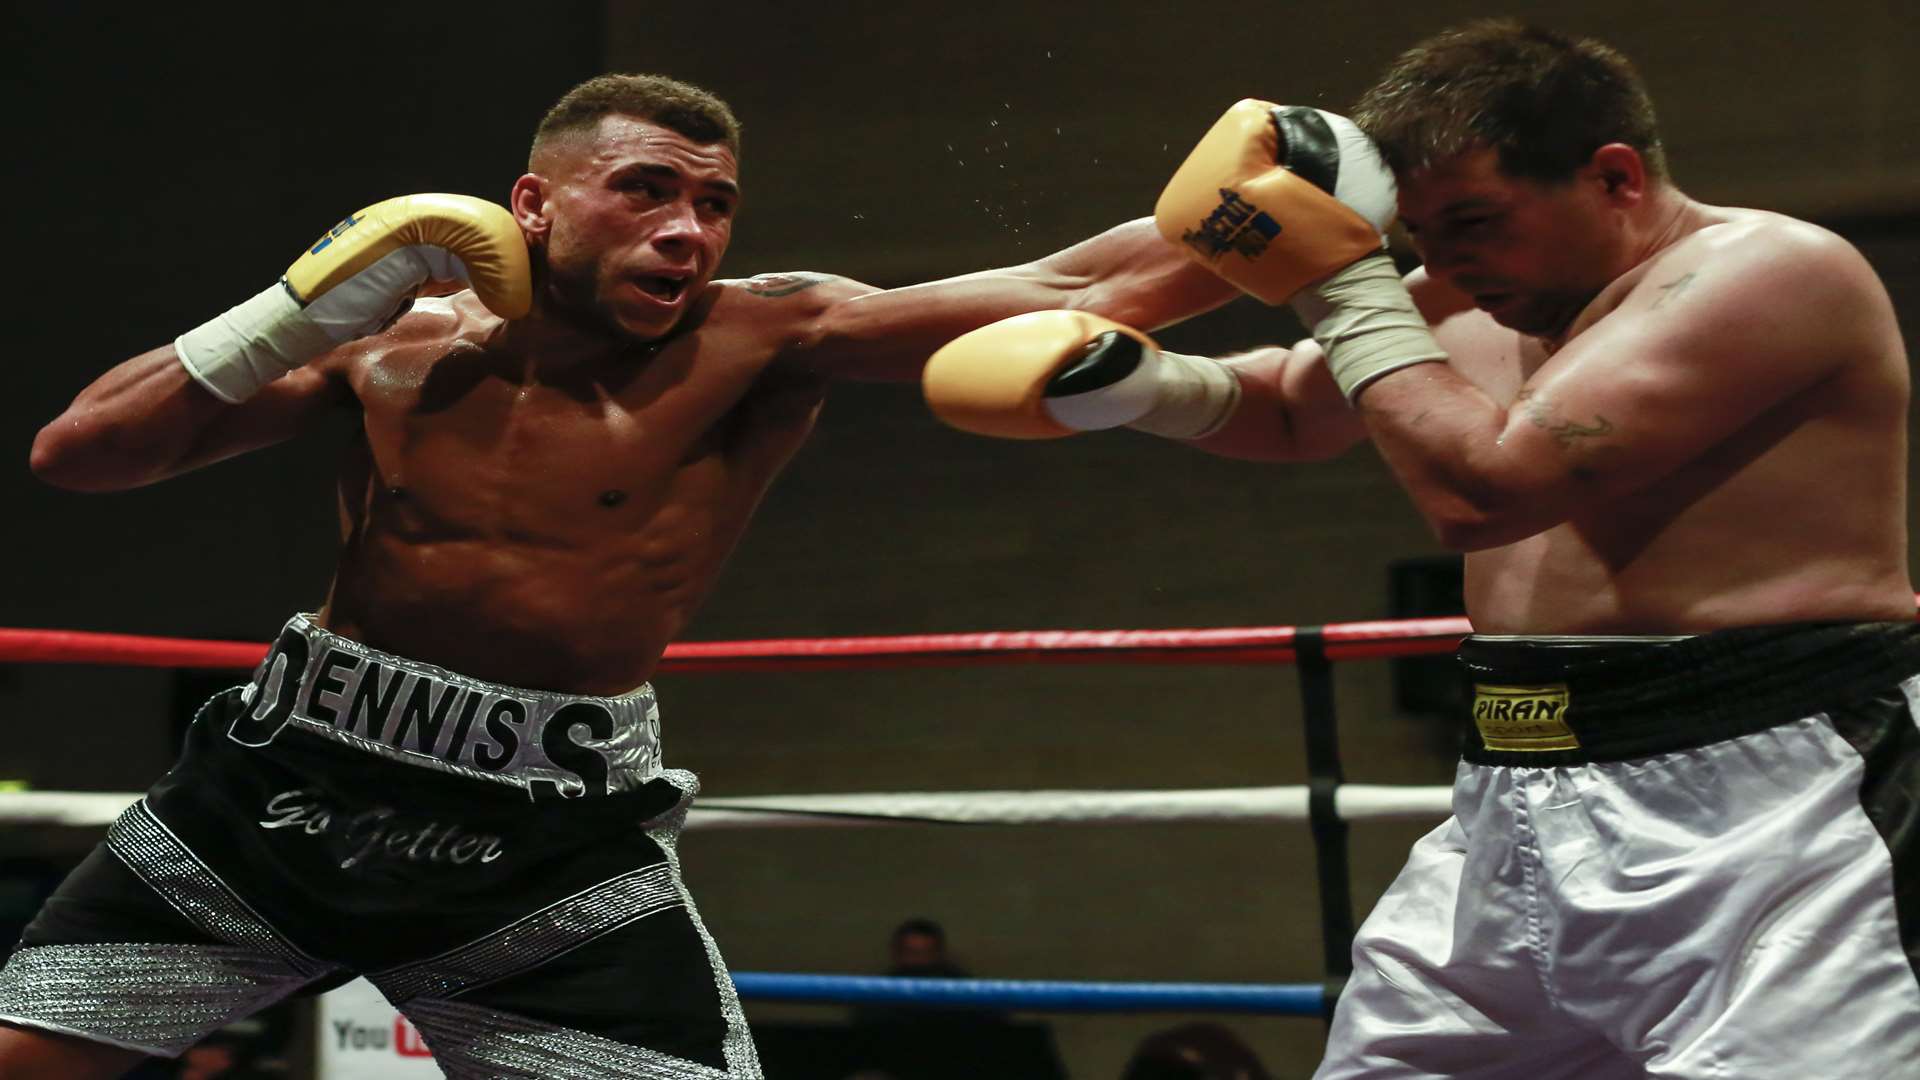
x=361, y=1037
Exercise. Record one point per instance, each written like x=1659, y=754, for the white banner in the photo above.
x=361, y=1037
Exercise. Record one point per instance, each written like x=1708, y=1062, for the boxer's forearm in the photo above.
x=1478, y=483
x=1289, y=410
x=1130, y=274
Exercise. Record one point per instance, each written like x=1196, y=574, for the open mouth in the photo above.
x=663, y=287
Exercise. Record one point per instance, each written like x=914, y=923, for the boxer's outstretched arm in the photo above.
x=1128, y=273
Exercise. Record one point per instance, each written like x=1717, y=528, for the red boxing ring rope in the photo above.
x=1232, y=645
x=1376, y=639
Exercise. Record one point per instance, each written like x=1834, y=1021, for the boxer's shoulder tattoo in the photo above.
x=1542, y=414
x=1673, y=289
x=777, y=285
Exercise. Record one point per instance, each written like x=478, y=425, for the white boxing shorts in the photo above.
x=1686, y=858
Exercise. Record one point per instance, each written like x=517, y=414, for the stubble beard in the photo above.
x=577, y=301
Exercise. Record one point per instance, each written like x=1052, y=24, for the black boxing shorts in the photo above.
x=500, y=862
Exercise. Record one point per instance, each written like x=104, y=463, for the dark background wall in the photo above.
x=167, y=165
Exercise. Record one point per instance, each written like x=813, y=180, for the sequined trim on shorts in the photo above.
x=148, y=848
x=158, y=999
x=742, y=1058
x=537, y=938
x=470, y=1043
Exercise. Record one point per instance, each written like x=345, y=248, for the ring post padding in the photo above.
x=1324, y=778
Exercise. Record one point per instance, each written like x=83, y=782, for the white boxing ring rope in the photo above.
x=1246, y=805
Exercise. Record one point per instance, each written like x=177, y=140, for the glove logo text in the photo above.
x=1236, y=226
x=333, y=234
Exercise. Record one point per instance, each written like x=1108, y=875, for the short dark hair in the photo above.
x=1543, y=101
x=674, y=105
x=922, y=926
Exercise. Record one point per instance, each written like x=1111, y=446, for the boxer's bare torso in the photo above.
x=555, y=526
x=1797, y=513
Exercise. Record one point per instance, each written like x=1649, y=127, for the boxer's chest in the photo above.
x=459, y=437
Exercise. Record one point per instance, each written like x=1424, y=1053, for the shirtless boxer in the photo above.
x=449, y=778
x=1671, y=439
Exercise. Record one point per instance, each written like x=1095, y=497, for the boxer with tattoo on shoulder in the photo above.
x=457, y=758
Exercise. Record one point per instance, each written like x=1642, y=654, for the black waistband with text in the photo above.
x=1551, y=701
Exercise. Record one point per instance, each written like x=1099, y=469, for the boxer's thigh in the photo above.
x=1445, y=981
x=110, y=961
x=620, y=980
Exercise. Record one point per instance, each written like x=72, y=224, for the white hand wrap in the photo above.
x=1367, y=323
x=1170, y=394
x=262, y=339
x=259, y=340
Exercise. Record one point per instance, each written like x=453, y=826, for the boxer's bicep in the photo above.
x=868, y=333
x=1695, y=356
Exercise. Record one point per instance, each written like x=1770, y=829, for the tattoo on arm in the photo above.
x=1567, y=433
x=777, y=285
x=1673, y=289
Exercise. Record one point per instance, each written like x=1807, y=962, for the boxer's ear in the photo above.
x=529, y=205
x=1621, y=172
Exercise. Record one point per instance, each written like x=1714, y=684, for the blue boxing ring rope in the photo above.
x=1034, y=995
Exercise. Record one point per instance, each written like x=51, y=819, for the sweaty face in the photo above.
x=1530, y=254
x=639, y=218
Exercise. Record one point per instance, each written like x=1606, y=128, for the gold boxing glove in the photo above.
x=1046, y=374
x=1275, y=196
x=356, y=279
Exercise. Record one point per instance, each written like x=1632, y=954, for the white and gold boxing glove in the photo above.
x=1047, y=374
x=1289, y=203
x=355, y=280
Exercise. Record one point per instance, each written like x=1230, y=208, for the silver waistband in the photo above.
x=419, y=714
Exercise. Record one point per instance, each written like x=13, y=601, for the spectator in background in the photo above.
x=945, y=1042
x=918, y=947
x=1197, y=1051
